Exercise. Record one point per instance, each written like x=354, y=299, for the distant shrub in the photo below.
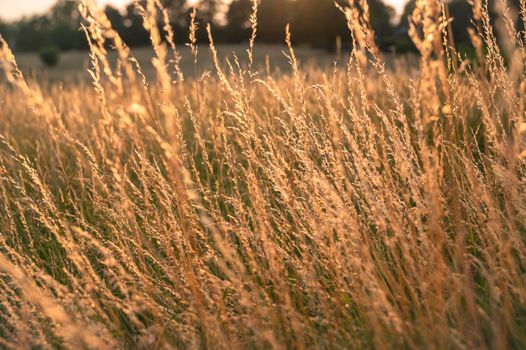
x=49, y=55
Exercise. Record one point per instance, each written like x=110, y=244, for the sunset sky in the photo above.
x=13, y=9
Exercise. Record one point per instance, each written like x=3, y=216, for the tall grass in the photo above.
x=362, y=207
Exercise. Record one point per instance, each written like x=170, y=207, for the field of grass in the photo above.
x=373, y=204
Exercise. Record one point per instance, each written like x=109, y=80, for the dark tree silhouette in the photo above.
x=273, y=16
x=237, y=17
x=314, y=22
x=58, y=28
x=461, y=13
x=116, y=18
x=207, y=10
x=381, y=18
x=408, y=10
x=319, y=22
x=5, y=30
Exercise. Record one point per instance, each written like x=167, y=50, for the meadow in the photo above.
x=73, y=66
x=374, y=203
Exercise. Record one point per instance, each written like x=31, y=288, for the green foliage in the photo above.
x=49, y=55
x=4, y=29
x=59, y=27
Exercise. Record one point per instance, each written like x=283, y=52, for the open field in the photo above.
x=368, y=205
x=74, y=64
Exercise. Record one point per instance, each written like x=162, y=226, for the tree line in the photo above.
x=315, y=22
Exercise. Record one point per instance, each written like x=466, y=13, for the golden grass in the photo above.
x=362, y=207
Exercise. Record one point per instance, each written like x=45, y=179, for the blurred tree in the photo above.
x=30, y=34
x=382, y=16
x=460, y=11
x=174, y=5
x=238, y=20
x=65, y=11
x=319, y=22
x=58, y=28
x=132, y=30
x=5, y=30
x=273, y=15
x=63, y=26
x=207, y=10
x=116, y=19
x=408, y=10
x=315, y=22
x=177, y=10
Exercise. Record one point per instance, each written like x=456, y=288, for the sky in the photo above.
x=13, y=9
